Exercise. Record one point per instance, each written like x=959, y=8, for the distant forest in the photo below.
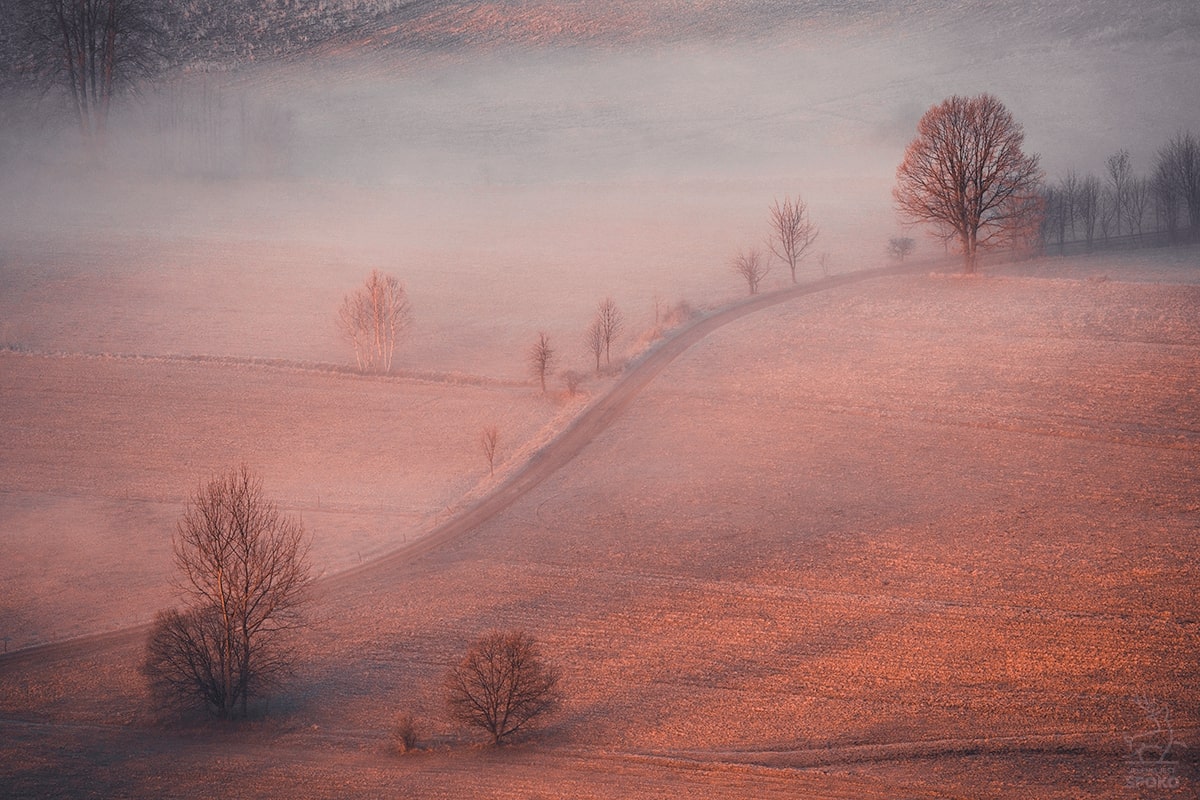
x=210, y=34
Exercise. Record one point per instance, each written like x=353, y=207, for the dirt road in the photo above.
x=555, y=455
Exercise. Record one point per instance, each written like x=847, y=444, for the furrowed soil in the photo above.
x=917, y=537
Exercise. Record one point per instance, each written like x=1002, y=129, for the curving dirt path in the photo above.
x=555, y=455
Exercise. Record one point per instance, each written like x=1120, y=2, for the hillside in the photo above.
x=917, y=537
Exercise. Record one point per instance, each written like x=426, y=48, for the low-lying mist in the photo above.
x=511, y=187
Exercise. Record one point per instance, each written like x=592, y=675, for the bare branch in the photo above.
x=489, y=439
x=900, y=246
x=502, y=685
x=966, y=175
x=541, y=359
x=594, y=339
x=752, y=267
x=372, y=318
x=244, y=567
x=792, y=232
x=611, y=323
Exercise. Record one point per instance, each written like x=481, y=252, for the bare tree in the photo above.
x=792, y=232
x=752, y=267
x=1068, y=192
x=966, y=174
x=900, y=246
x=594, y=339
x=611, y=322
x=1179, y=164
x=187, y=659
x=1166, y=199
x=92, y=49
x=489, y=438
x=1120, y=175
x=1088, y=205
x=1137, y=202
x=502, y=685
x=572, y=380
x=826, y=262
x=1054, y=220
x=541, y=359
x=373, y=317
x=1106, y=215
x=244, y=568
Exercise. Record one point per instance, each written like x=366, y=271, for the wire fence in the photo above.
x=1127, y=241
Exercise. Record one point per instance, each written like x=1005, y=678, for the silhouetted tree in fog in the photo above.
x=1178, y=171
x=1054, y=217
x=1120, y=176
x=826, y=262
x=1137, y=202
x=93, y=49
x=1068, y=193
x=244, y=568
x=372, y=318
x=594, y=339
x=611, y=323
x=1166, y=199
x=572, y=380
x=541, y=359
x=966, y=174
x=900, y=246
x=792, y=231
x=1088, y=206
x=752, y=267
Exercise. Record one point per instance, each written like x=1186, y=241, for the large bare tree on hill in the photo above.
x=792, y=231
x=966, y=174
x=373, y=317
x=244, y=569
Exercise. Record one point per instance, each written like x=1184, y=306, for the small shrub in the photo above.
x=681, y=313
x=572, y=380
x=404, y=733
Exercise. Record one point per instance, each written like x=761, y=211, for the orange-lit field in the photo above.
x=891, y=533
x=917, y=537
